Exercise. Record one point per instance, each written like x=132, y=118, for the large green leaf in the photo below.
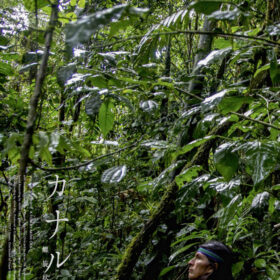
x=260, y=157
x=206, y=6
x=106, y=117
x=6, y=69
x=275, y=71
x=214, y=57
x=227, y=213
x=65, y=73
x=233, y=103
x=81, y=30
x=225, y=161
x=30, y=5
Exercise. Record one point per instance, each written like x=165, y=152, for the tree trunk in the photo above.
x=27, y=142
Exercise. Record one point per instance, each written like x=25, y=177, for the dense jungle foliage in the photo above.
x=133, y=131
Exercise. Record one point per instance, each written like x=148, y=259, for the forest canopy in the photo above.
x=133, y=131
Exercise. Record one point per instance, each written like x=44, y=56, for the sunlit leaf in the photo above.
x=212, y=101
x=148, y=106
x=260, y=200
x=214, y=57
x=226, y=15
x=187, y=175
x=30, y=5
x=114, y=174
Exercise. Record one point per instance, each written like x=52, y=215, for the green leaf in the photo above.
x=181, y=250
x=274, y=70
x=106, y=117
x=271, y=205
x=226, y=15
x=237, y=267
x=261, y=69
x=187, y=175
x=221, y=186
x=226, y=214
x=233, y=103
x=214, y=57
x=98, y=81
x=225, y=161
x=3, y=41
x=209, y=103
x=30, y=5
x=276, y=188
x=82, y=4
x=166, y=270
x=45, y=155
x=193, y=144
x=114, y=174
x=81, y=30
x=260, y=263
x=6, y=69
x=260, y=157
x=206, y=7
x=65, y=73
x=222, y=43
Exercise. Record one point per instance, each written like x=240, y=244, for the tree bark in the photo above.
x=203, y=49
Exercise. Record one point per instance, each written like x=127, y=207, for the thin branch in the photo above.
x=189, y=93
x=256, y=121
x=7, y=184
x=32, y=114
x=82, y=164
x=213, y=33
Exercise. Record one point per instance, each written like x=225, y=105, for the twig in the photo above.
x=82, y=164
x=190, y=94
x=213, y=33
x=256, y=121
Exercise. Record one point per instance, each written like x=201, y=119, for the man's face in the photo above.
x=199, y=266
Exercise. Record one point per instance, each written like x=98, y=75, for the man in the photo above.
x=213, y=260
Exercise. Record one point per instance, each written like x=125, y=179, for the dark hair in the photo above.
x=223, y=272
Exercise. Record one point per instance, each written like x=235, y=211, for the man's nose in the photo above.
x=190, y=262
